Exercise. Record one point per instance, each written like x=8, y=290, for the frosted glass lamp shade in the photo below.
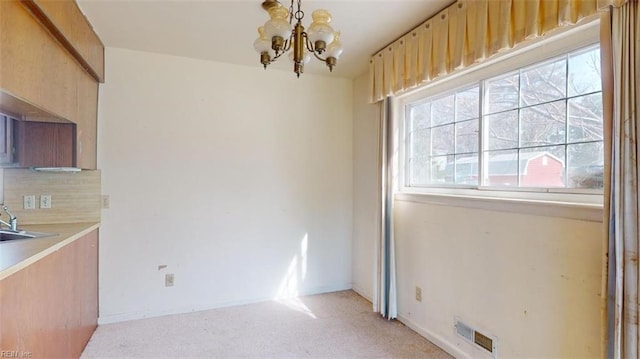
x=335, y=48
x=320, y=30
x=278, y=24
x=262, y=44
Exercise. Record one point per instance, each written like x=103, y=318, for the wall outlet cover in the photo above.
x=168, y=280
x=45, y=201
x=418, y=294
x=105, y=201
x=29, y=201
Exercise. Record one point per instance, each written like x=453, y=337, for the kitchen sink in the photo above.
x=8, y=235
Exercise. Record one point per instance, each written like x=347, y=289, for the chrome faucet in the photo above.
x=13, y=220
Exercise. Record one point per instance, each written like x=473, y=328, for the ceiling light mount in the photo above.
x=281, y=34
x=268, y=4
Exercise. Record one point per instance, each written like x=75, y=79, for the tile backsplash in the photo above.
x=75, y=197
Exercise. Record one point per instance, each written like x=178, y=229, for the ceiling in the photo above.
x=224, y=31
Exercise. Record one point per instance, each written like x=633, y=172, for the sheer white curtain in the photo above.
x=621, y=42
x=384, y=293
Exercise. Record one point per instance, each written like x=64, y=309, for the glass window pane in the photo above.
x=501, y=93
x=442, y=170
x=442, y=110
x=419, y=171
x=467, y=104
x=543, y=124
x=502, y=168
x=467, y=136
x=543, y=83
x=585, y=118
x=586, y=165
x=420, y=116
x=542, y=167
x=420, y=143
x=466, y=169
x=502, y=130
x=442, y=140
x=542, y=128
x=584, y=72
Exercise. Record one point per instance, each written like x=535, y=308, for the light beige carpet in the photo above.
x=333, y=325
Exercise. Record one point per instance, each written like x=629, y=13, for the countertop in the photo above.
x=15, y=255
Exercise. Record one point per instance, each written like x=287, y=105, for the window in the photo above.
x=537, y=127
x=443, y=139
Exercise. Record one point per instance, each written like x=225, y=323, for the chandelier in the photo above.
x=280, y=34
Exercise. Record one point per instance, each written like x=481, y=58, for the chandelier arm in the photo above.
x=287, y=44
x=309, y=46
x=318, y=57
x=276, y=57
x=308, y=43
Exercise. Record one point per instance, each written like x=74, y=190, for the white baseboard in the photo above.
x=436, y=339
x=362, y=293
x=123, y=317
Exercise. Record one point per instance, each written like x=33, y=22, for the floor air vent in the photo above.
x=464, y=331
x=472, y=336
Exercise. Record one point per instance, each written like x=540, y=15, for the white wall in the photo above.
x=238, y=179
x=531, y=281
x=366, y=190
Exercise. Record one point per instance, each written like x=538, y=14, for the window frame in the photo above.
x=538, y=52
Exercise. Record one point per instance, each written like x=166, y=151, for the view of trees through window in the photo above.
x=540, y=127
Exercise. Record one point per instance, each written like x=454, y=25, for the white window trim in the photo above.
x=583, y=204
x=570, y=210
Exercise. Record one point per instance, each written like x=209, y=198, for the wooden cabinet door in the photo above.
x=87, y=122
x=45, y=144
x=50, y=308
x=33, y=66
x=73, y=31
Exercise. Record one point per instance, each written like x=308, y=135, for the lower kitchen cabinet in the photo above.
x=50, y=308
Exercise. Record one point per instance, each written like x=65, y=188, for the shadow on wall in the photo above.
x=287, y=294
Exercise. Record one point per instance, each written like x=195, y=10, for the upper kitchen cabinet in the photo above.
x=51, y=59
x=87, y=126
x=73, y=31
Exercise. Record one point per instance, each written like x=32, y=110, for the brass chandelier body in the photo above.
x=280, y=34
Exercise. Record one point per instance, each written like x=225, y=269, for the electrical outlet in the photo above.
x=29, y=201
x=45, y=201
x=418, y=294
x=168, y=280
x=105, y=201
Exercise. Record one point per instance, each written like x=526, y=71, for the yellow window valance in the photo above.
x=467, y=32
